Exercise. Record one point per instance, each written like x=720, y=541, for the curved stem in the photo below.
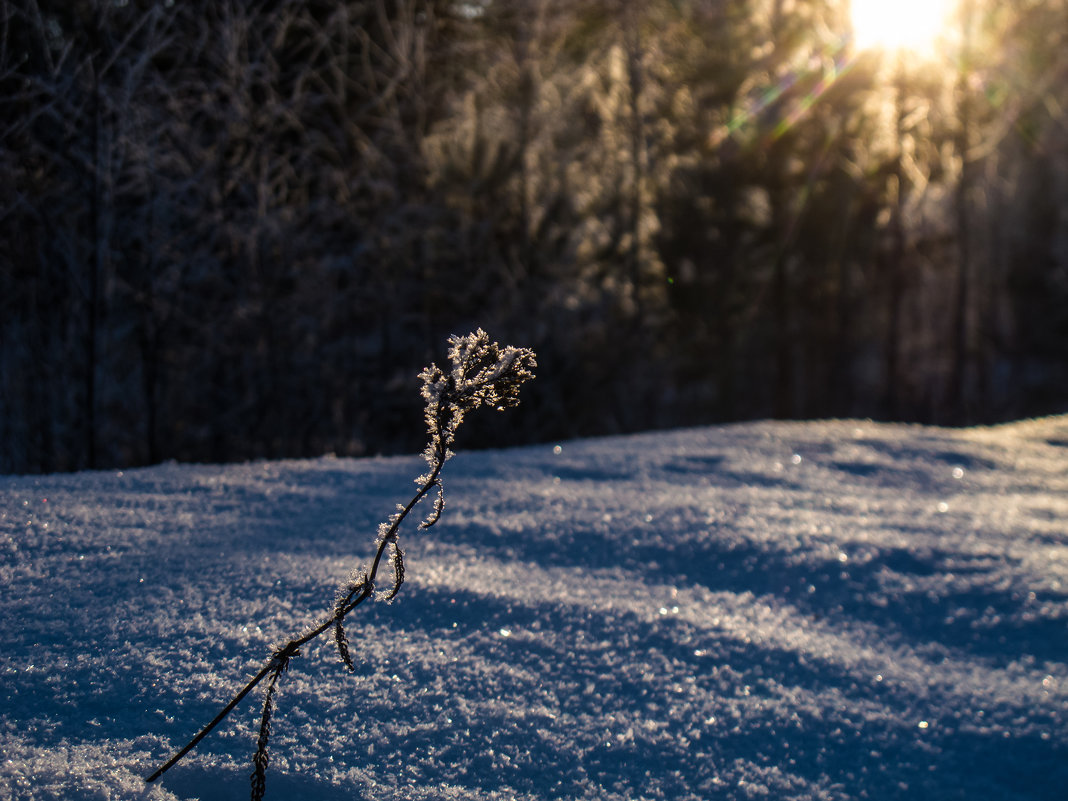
x=497, y=384
x=292, y=647
x=226, y=710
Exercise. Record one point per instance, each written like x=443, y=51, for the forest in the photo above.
x=238, y=230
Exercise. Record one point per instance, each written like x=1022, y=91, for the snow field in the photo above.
x=823, y=610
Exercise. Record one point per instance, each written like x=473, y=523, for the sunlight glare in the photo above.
x=913, y=25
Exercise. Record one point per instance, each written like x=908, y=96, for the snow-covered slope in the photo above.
x=830, y=610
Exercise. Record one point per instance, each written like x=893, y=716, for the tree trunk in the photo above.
x=896, y=262
x=96, y=217
x=957, y=400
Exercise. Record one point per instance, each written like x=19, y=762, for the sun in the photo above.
x=900, y=25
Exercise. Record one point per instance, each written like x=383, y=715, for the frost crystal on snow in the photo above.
x=955, y=619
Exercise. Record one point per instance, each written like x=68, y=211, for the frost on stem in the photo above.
x=481, y=373
x=260, y=759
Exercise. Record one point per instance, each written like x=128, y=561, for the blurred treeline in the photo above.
x=238, y=229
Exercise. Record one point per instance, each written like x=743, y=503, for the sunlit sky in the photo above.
x=913, y=25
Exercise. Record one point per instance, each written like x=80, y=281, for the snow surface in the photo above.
x=830, y=610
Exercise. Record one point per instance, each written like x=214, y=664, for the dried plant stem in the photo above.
x=482, y=374
x=226, y=710
x=292, y=648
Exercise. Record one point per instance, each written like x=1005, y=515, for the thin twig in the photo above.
x=482, y=374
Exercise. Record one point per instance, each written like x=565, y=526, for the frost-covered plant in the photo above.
x=481, y=373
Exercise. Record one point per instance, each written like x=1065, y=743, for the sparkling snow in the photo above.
x=833, y=610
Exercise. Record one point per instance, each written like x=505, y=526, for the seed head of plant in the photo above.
x=481, y=373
